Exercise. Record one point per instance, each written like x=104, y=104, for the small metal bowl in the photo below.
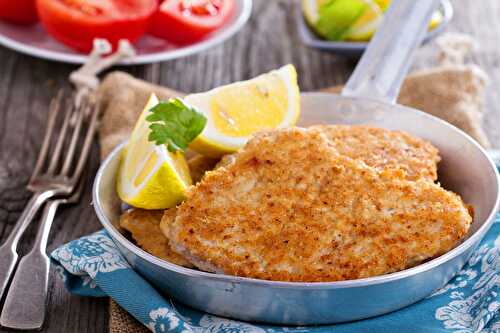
x=356, y=49
x=465, y=169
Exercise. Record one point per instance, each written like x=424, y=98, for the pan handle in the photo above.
x=380, y=72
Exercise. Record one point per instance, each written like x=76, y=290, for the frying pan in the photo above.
x=368, y=98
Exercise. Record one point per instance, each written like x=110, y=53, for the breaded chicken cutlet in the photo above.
x=381, y=148
x=289, y=207
x=144, y=226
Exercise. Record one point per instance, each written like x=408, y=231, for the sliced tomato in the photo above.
x=188, y=21
x=18, y=11
x=77, y=22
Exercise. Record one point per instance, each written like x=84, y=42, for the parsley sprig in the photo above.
x=175, y=124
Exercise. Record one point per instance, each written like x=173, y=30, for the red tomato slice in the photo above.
x=18, y=11
x=77, y=22
x=188, y=21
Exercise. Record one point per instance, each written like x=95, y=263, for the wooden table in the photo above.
x=268, y=41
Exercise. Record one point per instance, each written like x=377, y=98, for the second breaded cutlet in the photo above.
x=144, y=226
x=199, y=165
x=289, y=207
x=381, y=148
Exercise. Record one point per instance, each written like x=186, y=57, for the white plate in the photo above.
x=35, y=41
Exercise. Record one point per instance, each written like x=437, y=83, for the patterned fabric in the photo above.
x=469, y=303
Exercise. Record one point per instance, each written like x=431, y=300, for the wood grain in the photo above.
x=268, y=41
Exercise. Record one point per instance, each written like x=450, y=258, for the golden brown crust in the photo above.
x=226, y=160
x=167, y=219
x=200, y=164
x=382, y=149
x=144, y=226
x=290, y=208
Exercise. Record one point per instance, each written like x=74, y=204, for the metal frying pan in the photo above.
x=368, y=98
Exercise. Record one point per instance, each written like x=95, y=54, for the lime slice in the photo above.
x=150, y=176
x=331, y=19
x=366, y=25
x=353, y=20
x=336, y=17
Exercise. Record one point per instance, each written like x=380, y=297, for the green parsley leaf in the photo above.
x=175, y=124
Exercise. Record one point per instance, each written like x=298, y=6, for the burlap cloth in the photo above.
x=452, y=91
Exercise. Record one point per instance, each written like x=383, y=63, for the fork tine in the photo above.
x=60, y=142
x=74, y=139
x=89, y=136
x=55, y=107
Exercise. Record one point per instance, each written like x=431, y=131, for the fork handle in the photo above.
x=8, y=251
x=24, y=306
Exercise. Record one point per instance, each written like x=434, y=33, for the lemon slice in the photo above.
x=383, y=4
x=150, y=176
x=437, y=18
x=366, y=25
x=236, y=111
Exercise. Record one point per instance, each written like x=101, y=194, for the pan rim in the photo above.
x=375, y=280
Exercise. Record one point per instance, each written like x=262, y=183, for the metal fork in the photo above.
x=24, y=306
x=59, y=178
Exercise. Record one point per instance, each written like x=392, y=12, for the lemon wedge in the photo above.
x=236, y=111
x=366, y=25
x=150, y=176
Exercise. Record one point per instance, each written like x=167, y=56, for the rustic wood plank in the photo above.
x=5, y=80
x=25, y=91
x=268, y=41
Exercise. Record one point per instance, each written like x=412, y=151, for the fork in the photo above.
x=24, y=306
x=58, y=178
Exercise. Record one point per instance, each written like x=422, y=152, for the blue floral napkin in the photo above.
x=93, y=266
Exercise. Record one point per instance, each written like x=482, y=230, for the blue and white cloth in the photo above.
x=470, y=303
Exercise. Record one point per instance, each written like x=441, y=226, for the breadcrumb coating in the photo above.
x=381, y=148
x=290, y=207
x=144, y=226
